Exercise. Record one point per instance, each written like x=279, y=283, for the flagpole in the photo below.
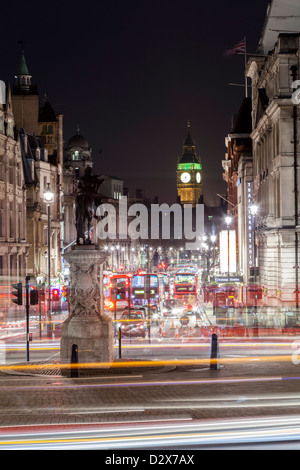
x=246, y=83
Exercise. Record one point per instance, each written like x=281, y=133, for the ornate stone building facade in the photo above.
x=238, y=175
x=13, y=246
x=275, y=123
x=42, y=161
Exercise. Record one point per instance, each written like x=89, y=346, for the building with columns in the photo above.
x=237, y=168
x=276, y=158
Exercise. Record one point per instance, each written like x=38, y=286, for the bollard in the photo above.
x=74, y=361
x=214, y=353
x=119, y=337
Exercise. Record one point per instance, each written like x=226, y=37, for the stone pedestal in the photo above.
x=87, y=327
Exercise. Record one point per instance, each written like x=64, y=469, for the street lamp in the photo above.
x=49, y=199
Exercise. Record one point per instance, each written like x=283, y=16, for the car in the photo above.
x=133, y=323
x=155, y=314
x=172, y=308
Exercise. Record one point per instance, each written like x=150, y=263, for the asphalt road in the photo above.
x=251, y=402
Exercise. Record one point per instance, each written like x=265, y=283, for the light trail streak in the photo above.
x=216, y=381
x=148, y=364
x=201, y=345
x=199, y=433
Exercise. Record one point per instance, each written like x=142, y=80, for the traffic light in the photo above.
x=64, y=294
x=55, y=295
x=17, y=293
x=34, y=297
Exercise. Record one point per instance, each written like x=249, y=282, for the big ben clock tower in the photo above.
x=189, y=173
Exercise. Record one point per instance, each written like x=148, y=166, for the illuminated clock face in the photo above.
x=185, y=177
x=198, y=177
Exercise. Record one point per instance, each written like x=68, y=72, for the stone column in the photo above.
x=87, y=327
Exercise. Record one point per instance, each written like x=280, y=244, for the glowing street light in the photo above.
x=49, y=199
x=253, y=209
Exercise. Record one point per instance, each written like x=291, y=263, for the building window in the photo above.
x=11, y=220
x=20, y=221
x=75, y=155
x=20, y=273
x=18, y=175
x=11, y=174
x=9, y=129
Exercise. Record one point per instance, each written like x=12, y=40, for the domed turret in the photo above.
x=78, y=153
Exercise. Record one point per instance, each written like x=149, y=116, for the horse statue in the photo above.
x=87, y=200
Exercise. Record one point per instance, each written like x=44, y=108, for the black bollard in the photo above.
x=120, y=343
x=74, y=361
x=214, y=353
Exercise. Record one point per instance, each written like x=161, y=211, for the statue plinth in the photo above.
x=87, y=327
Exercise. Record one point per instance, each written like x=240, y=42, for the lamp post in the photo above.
x=49, y=199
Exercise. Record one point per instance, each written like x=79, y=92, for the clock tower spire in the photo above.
x=189, y=172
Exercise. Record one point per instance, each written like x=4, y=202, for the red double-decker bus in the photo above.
x=185, y=286
x=139, y=293
x=116, y=291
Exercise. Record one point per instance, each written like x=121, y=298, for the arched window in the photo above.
x=50, y=129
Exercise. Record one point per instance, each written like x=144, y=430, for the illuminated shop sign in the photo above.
x=250, y=225
x=224, y=251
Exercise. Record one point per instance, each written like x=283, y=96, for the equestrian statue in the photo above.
x=87, y=200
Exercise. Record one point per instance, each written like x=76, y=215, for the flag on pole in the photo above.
x=240, y=47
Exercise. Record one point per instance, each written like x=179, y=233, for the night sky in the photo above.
x=131, y=74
